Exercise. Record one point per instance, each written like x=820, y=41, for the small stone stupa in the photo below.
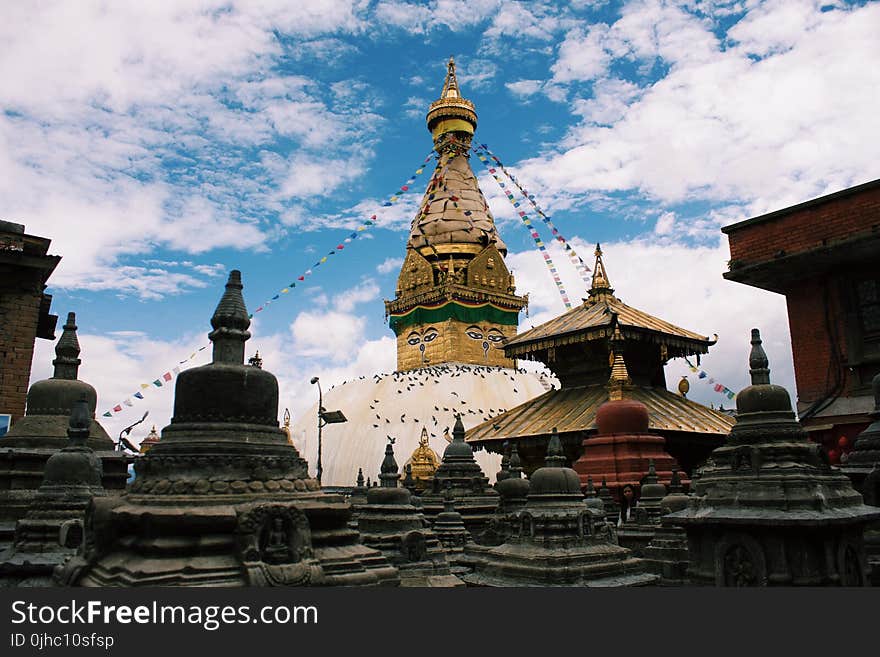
x=667, y=552
x=452, y=534
x=474, y=498
x=560, y=540
x=52, y=530
x=644, y=520
x=863, y=469
x=513, y=491
x=390, y=523
x=27, y=447
x=768, y=509
x=223, y=499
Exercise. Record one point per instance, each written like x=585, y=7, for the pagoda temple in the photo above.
x=604, y=349
x=455, y=306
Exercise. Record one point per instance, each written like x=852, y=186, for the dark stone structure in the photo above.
x=453, y=535
x=768, y=509
x=390, y=523
x=52, y=530
x=513, y=491
x=25, y=266
x=560, y=540
x=863, y=468
x=223, y=499
x=667, y=552
x=25, y=450
x=644, y=518
x=474, y=498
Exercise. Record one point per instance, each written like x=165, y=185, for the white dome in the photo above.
x=399, y=405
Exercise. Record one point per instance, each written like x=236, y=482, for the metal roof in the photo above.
x=574, y=409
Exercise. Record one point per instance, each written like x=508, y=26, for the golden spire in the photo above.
x=286, y=427
x=150, y=440
x=619, y=375
x=601, y=285
x=451, y=112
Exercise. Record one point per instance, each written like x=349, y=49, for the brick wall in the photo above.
x=807, y=228
x=20, y=297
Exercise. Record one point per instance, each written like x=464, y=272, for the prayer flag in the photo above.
x=167, y=376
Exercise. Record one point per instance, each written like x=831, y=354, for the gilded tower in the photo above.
x=455, y=299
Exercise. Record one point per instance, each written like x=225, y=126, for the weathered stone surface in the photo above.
x=863, y=469
x=767, y=508
x=389, y=522
x=52, y=530
x=561, y=541
x=27, y=447
x=223, y=499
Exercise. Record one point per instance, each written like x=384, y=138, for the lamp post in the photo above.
x=324, y=417
x=123, y=442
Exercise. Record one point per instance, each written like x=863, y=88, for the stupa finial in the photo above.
x=389, y=473
x=67, y=360
x=555, y=457
x=758, y=362
x=601, y=286
x=450, y=84
x=515, y=463
x=451, y=113
x=230, y=323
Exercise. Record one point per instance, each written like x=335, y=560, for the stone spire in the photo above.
x=619, y=377
x=389, y=474
x=601, y=286
x=225, y=467
x=67, y=360
x=759, y=365
x=230, y=323
x=52, y=530
x=555, y=457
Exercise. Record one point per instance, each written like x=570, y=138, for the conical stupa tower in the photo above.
x=455, y=300
x=454, y=310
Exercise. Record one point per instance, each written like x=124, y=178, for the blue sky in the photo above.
x=161, y=144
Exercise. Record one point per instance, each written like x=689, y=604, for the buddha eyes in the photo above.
x=495, y=337
x=414, y=339
x=430, y=335
x=474, y=333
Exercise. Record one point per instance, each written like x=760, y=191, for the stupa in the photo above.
x=52, y=530
x=390, y=523
x=455, y=307
x=768, y=509
x=151, y=439
x=667, y=552
x=863, y=468
x=423, y=463
x=453, y=535
x=27, y=447
x=560, y=540
x=584, y=347
x=223, y=499
x=513, y=493
x=459, y=474
x=644, y=520
x=623, y=444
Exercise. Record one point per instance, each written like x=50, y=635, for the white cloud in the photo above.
x=389, y=265
x=524, y=88
x=329, y=334
x=721, y=126
x=365, y=291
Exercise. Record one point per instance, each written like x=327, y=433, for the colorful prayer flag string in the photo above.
x=166, y=377
x=581, y=267
x=717, y=387
x=527, y=224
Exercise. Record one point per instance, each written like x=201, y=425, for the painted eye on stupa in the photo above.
x=474, y=332
x=430, y=335
x=494, y=335
x=413, y=338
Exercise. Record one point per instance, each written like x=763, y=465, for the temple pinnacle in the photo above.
x=230, y=322
x=555, y=457
x=67, y=351
x=758, y=362
x=389, y=474
x=601, y=286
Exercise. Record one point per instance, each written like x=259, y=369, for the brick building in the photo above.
x=824, y=256
x=25, y=267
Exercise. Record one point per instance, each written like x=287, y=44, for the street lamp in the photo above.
x=123, y=441
x=324, y=417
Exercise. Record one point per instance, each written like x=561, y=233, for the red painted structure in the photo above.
x=622, y=448
x=824, y=256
